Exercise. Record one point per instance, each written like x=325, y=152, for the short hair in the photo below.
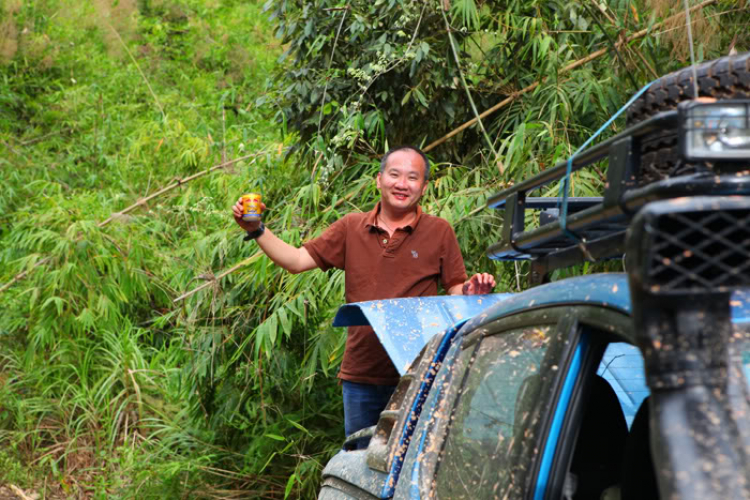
x=407, y=147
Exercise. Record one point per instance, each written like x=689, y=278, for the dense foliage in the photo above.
x=110, y=386
x=365, y=74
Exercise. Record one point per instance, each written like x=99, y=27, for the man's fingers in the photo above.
x=481, y=278
x=489, y=280
x=237, y=210
x=480, y=283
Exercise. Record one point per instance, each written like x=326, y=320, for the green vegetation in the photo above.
x=111, y=388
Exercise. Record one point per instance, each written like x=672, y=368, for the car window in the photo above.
x=500, y=391
x=622, y=366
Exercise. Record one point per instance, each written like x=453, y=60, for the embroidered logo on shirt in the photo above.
x=414, y=254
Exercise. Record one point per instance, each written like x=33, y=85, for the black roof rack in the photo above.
x=598, y=224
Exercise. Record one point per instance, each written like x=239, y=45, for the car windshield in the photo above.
x=502, y=385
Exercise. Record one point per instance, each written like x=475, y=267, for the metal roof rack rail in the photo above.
x=600, y=224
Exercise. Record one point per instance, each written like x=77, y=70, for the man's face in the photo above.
x=402, y=182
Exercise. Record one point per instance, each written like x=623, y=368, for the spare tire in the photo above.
x=724, y=78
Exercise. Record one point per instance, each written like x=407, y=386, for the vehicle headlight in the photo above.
x=716, y=130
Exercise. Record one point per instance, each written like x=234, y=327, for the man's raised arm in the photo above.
x=294, y=260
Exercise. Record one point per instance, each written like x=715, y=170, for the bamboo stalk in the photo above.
x=142, y=201
x=484, y=114
x=37, y=139
x=153, y=94
x=645, y=62
x=138, y=399
x=18, y=277
x=10, y=148
x=603, y=10
x=569, y=67
x=18, y=491
x=210, y=282
x=223, y=134
x=176, y=184
x=466, y=87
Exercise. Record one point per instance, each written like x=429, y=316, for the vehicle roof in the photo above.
x=609, y=290
x=605, y=290
x=405, y=325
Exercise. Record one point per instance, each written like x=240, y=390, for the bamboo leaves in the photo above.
x=467, y=13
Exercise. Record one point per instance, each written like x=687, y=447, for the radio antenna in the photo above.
x=692, y=50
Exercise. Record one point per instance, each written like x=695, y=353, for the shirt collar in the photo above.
x=371, y=218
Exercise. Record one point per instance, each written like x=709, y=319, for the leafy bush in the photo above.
x=360, y=75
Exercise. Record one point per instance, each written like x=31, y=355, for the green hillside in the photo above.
x=145, y=349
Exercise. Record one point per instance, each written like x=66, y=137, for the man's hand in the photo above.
x=479, y=284
x=247, y=225
x=294, y=260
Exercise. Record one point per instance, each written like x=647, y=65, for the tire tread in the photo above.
x=724, y=78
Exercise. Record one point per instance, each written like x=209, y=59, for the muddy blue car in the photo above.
x=628, y=385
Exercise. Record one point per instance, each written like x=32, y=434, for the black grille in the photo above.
x=702, y=250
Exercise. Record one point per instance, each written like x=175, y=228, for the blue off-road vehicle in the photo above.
x=611, y=386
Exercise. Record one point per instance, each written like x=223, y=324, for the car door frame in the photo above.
x=598, y=326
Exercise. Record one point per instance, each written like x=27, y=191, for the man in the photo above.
x=395, y=250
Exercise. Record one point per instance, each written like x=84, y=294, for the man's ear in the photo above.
x=377, y=181
x=424, y=188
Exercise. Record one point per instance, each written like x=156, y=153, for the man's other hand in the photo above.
x=247, y=225
x=479, y=284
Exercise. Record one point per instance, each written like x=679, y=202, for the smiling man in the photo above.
x=394, y=250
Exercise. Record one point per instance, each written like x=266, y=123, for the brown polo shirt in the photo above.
x=408, y=264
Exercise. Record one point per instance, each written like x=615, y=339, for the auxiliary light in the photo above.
x=715, y=131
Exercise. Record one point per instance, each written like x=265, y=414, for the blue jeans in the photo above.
x=363, y=404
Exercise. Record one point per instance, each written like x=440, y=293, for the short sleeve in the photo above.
x=329, y=249
x=452, y=269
